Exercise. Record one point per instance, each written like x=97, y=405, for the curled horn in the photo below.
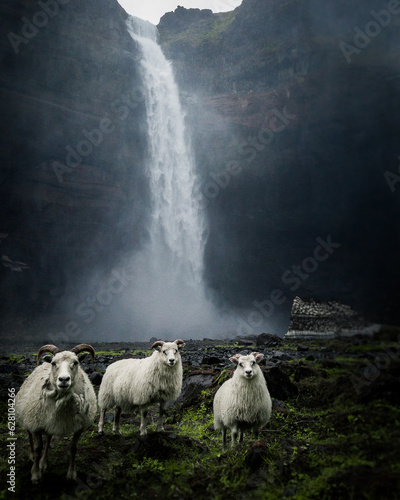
x=180, y=343
x=83, y=347
x=47, y=348
x=158, y=343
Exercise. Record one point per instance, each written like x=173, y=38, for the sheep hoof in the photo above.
x=100, y=433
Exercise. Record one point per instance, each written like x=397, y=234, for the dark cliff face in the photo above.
x=71, y=181
x=294, y=131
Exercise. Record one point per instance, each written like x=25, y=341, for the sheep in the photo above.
x=242, y=402
x=57, y=399
x=131, y=383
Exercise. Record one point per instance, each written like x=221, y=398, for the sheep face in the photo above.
x=169, y=351
x=64, y=367
x=246, y=364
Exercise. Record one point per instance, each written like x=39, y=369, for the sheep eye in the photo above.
x=253, y=363
x=165, y=352
x=53, y=364
x=241, y=364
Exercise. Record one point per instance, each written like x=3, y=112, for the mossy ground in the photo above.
x=339, y=438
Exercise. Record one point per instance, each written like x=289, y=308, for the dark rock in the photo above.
x=303, y=372
x=248, y=340
x=279, y=406
x=210, y=360
x=96, y=378
x=256, y=455
x=268, y=340
x=302, y=348
x=280, y=355
x=279, y=383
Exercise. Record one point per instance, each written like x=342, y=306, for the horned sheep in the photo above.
x=57, y=399
x=131, y=383
x=242, y=402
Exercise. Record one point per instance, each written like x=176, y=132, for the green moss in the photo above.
x=328, y=442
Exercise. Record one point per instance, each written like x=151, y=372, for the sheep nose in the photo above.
x=249, y=372
x=64, y=379
x=171, y=361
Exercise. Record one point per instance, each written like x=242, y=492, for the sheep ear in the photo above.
x=180, y=343
x=258, y=355
x=235, y=359
x=157, y=345
x=47, y=358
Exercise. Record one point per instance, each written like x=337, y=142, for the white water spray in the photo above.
x=169, y=292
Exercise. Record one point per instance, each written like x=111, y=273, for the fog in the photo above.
x=270, y=172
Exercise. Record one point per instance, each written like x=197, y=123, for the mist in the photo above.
x=282, y=181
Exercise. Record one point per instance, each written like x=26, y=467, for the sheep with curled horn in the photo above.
x=57, y=399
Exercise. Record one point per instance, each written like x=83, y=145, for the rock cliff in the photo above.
x=72, y=187
x=291, y=107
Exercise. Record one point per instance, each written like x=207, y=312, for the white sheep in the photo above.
x=57, y=399
x=132, y=383
x=243, y=402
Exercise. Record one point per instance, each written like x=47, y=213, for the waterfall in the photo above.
x=169, y=293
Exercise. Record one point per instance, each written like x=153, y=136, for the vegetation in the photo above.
x=338, y=438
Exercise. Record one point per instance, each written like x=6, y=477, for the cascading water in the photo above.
x=169, y=292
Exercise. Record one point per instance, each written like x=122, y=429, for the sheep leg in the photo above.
x=160, y=426
x=143, y=415
x=43, y=460
x=71, y=474
x=31, y=453
x=234, y=435
x=36, y=473
x=240, y=436
x=224, y=437
x=117, y=418
x=101, y=420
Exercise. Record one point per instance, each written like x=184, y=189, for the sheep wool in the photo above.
x=132, y=383
x=243, y=402
x=57, y=399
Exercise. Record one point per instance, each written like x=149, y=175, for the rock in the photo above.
x=268, y=340
x=303, y=372
x=96, y=378
x=312, y=318
x=279, y=384
x=280, y=355
x=255, y=457
x=210, y=360
x=302, y=348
